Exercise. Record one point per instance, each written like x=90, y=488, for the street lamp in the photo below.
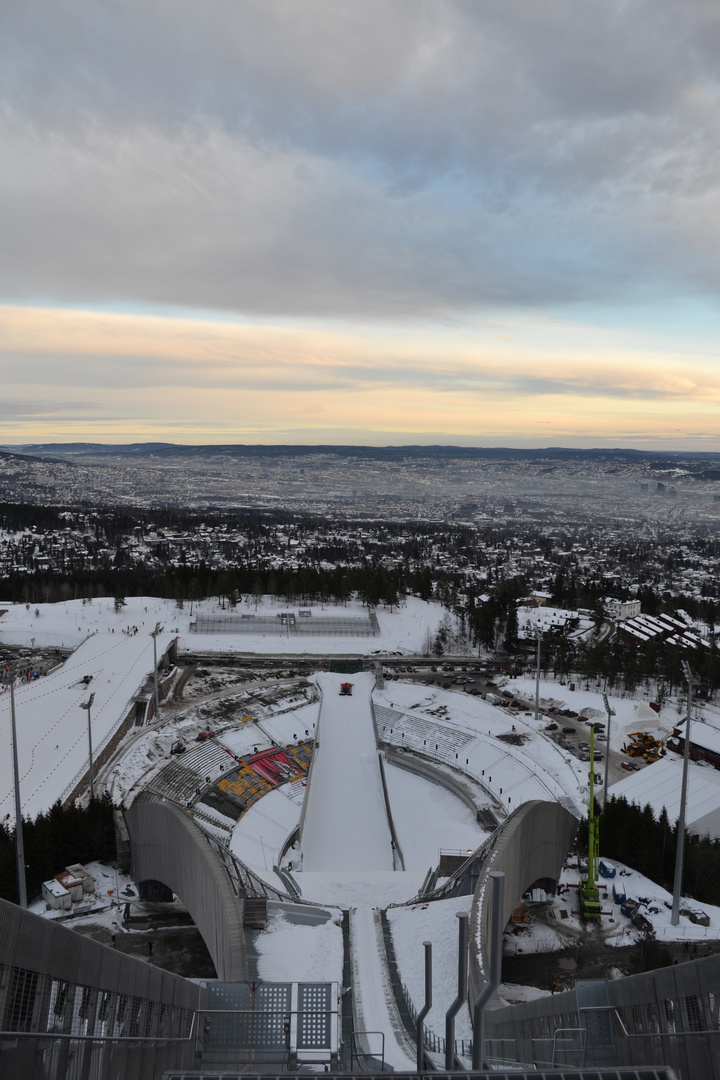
x=87, y=705
x=610, y=712
x=19, y=846
x=158, y=630
x=680, y=850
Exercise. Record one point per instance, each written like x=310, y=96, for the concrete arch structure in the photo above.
x=532, y=844
x=167, y=846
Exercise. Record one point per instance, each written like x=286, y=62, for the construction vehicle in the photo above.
x=588, y=891
x=346, y=689
x=645, y=746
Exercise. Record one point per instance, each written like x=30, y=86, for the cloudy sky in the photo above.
x=368, y=221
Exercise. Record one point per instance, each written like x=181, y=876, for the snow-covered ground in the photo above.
x=288, y=952
x=52, y=728
x=402, y=630
x=260, y=835
x=631, y=714
x=346, y=844
x=373, y=996
x=438, y=924
x=427, y=818
x=558, y=924
x=68, y=623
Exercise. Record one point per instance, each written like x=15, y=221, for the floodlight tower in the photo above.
x=538, y=634
x=158, y=630
x=610, y=712
x=680, y=850
x=19, y=846
x=589, y=895
x=87, y=705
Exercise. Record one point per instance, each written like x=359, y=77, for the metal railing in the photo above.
x=267, y=1034
x=432, y=1042
x=365, y=1055
x=49, y=1055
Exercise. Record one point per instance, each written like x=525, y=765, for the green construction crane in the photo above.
x=589, y=895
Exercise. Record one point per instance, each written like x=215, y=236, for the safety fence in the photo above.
x=287, y=624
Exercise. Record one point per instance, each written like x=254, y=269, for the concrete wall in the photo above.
x=55, y=980
x=532, y=844
x=671, y=1016
x=167, y=846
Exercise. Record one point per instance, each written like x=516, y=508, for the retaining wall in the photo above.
x=56, y=980
x=533, y=844
x=671, y=1016
x=167, y=846
x=413, y=763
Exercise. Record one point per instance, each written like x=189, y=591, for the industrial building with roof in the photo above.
x=658, y=786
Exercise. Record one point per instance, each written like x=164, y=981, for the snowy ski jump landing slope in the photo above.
x=52, y=728
x=346, y=826
x=373, y=1004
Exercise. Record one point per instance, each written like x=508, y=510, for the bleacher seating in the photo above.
x=176, y=782
x=260, y=773
x=207, y=758
x=439, y=740
x=315, y=626
x=501, y=769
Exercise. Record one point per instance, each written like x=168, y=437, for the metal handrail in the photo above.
x=96, y=1038
x=168, y=1038
x=354, y=1053
x=606, y=1008
x=576, y=1048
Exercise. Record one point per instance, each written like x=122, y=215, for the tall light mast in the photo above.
x=19, y=846
x=589, y=894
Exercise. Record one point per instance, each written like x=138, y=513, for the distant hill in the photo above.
x=367, y=453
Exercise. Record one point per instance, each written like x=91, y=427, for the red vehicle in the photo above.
x=346, y=689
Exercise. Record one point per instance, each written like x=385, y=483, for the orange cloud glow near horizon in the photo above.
x=78, y=375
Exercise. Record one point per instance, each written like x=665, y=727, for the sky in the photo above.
x=360, y=221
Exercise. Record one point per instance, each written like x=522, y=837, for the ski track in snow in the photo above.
x=372, y=991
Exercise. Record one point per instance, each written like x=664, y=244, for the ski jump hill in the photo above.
x=345, y=825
